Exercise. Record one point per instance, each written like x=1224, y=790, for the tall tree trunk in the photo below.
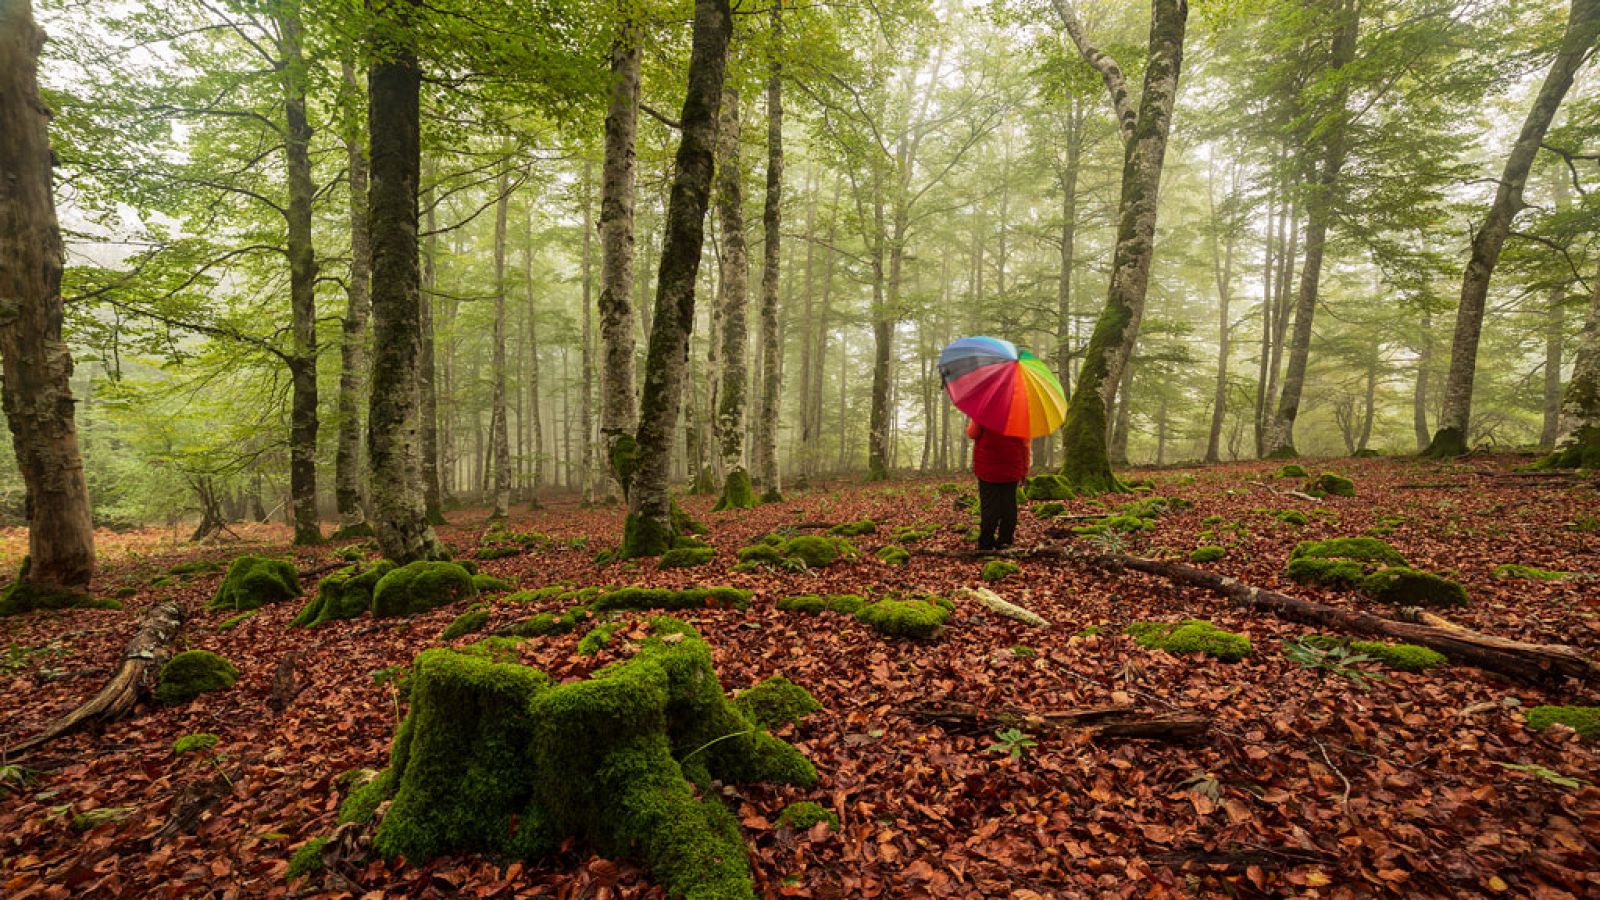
x=302, y=282
x=882, y=344
x=649, y=529
x=808, y=342
x=432, y=495
x=36, y=388
x=733, y=284
x=1419, y=397
x=1319, y=214
x=1578, y=438
x=499, y=436
x=1553, y=335
x=393, y=85
x=1371, y=407
x=1088, y=464
x=348, y=475
x=1123, y=423
x=1068, y=176
x=586, y=401
x=1577, y=46
x=766, y=449
x=618, y=412
x=533, y=370
x=1268, y=265
x=1222, y=269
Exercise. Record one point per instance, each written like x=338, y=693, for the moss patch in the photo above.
x=420, y=586
x=816, y=551
x=998, y=570
x=854, y=529
x=488, y=584
x=894, y=554
x=1049, y=487
x=547, y=623
x=254, y=581
x=345, y=594
x=236, y=621
x=849, y=604
x=686, y=557
x=639, y=598
x=1364, y=549
x=1409, y=587
x=473, y=620
x=917, y=618
x=1404, y=657
x=1331, y=484
x=192, y=673
x=806, y=814
x=1585, y=720
x=308, y=859
x=1291, y=517
x=1207, y=554
x=1529, y=573
x=776, y=702
x=1292, y=470
x=1192, y=636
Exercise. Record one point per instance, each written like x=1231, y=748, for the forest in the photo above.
x=722, y=449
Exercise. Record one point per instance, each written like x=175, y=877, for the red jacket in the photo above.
x=997, y=457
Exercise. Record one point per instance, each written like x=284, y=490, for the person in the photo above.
x=1000, y=462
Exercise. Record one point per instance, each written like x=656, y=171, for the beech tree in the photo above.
x=733, y=290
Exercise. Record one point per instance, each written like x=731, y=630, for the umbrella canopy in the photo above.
x=1001, y=388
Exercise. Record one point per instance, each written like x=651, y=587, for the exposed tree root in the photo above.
x=1105, y=722
x=142, y=660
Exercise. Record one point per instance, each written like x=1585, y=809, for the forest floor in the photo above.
x=1310, y=783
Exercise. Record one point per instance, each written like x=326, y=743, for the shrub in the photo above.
x=894, y=554
x=1206, y=554
x=1585, y=720
x=999, y=570
x=854, y=529
x=686, y=557
x=254, y=581
x=1192, y=636
x=420, y=586
x=920, y=619
x=804, y=815
x=192, y=673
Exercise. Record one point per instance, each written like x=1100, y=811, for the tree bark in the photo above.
x=586, y=401
x=1088, y=464
x=733, y=286
x=766, y=449
x=1578, y=431
x=1419, y=397
x=1222, y=269
x=303, y=424
x=499, y=434
x=36, y=387
x=400, y=517
x=1577, y=46
x=348, y=480
x=618, y=412
x=1068, y=176
x=649, y=530
x=1553, y=336
x=534, y=383
x=427, y=379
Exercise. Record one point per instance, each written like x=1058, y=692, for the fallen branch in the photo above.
x=142, y=660
x=1255, y=856
x=1108, y=722
x=1513, y=659
x=1298, y=495
x=996, y=604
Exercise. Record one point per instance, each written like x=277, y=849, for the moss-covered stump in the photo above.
x=1192, y=636
x=254, y=581
x=420, y=586
x=493, y=758
x=192, y=673
x=345, y=594
x=22, y=596
x=1585, y=720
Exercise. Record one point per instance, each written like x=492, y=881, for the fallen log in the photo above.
x=1108, y=722
x=142, y=660
x=1514, y=659
x=1000, y=606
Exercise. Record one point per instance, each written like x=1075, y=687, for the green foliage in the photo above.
x=1334, y=659
x=194, y=743
x=1210, y=553
x=473, y=620
x=894, y=555
x=254, y=581
x=849, y=604
x=998, y=570
x=776, y=702
x=345, y=594
x=1529, y=573
x=1191, y=636
x=916, y=618
x=192, y=673
x=806, y=814
x=1013, y=742
x=854, y=529
x=420, y=586
x=686, y=557
x=638, y=598
x=1585, y=720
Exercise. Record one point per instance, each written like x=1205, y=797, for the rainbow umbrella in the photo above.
x=1001, y=388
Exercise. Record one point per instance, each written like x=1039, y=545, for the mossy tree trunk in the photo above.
x=1578, y=434
x=766, y=449
x=348, y=476
x=394, y=81
x=302, y=359
x=1088, y=463
x=1577, y=46
x=618, y=413
x=733, y=288
x=648, y=530
x=499, y=438
x=36, y=387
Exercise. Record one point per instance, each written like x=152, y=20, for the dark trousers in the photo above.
x=997, y=515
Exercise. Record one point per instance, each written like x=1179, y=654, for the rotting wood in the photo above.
x=1000, y=606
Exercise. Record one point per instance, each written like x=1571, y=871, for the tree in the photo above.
x=1577, y=47
x=766, y=451
x=394, y=82
x=618, y=410
x=648, y=530
x=500, y=445
x=348, y=473
x=37, y=365
x=1088, y=464
x=1578, y=434
x=733, y=288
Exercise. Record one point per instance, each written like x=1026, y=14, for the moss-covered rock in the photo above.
x=776, y=702
x=1292, y=470
x=1192, y=636
x=420, y=586
x=1291, y=517
x=547, y=623
x=894, y=554
x=192, y=673
x=686, y=557
x=345, y=594
x=488, y=584
x=641, y=598
x=1404, y=657
x=816, y=551
x=1333, y=573
x=761, y=554
x=1209, y=553
x=1405, y=586
x=1331, y=484
x=493, y=758
x=254, y=581
x=1585, y=720
x=473, y=620
x=854, y=529
x=806, y=814
x=1049, y=486
x=1363, y=549
x=918, y=618
x=1049, y=510
x=849, y=604
x=1528, y=573
x=998, y=570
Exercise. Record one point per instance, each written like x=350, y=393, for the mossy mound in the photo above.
x=195, y=567
x=763, y=554
x=854, y=529
x=1049, y=510
x=254, y=581
x=998, y=570
x=1331, y=484
x=1192, y=636
x=1333, y=573
x=1292, y=517
x=849, y=604
x=308, y=859
x=776, y=702
x=894, y=554
x=817, y=551
x=192, y=673
x=1528, y=573
x=22, y=596
x=1363, y=549
x=345, y=594
x=1049, y=486
x=1292, y=470
x=917, y=618
x=469, y=622
x=493, y=758
x=640, y=598
x=548, y=623
x=488, y=584
x=1404, y=586
x=420, y=586
x=1402, y=657
x=500, y=551
x=1585, y=720
x=1210, y=553
x=737, y=492
x=912, y=534
x=686, y=557
x=806, y=814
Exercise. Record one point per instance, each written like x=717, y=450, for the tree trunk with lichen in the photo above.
x=1578, y=431
x=533, y=369
x=303, y=424
x=618, y=411
x=649, y=530
x=1088, y=463
x=766, y=449
x=427, y=382
x=586, y=471
x=1577, y=46
x=499, y=438
x=733, y=288
x=394, y=82
x=36, y=389
x=348, y=492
